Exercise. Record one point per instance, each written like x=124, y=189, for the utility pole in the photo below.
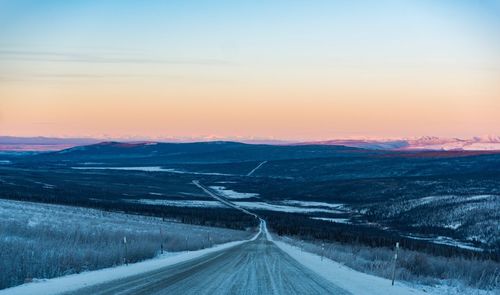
x=395, y=262
x=126, y=250
x=161, y=240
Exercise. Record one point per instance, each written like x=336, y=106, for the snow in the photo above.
x=280, y=208
x=5, y=162
x=77, y=281
x=151, y=169
x=183, y=203
x=313, y=204
x=359, y=283
x=45, y=185
x=451, y=242
x=230, y=194
x=146, y=169
x=454, y=225
x=480, y=197
x=335, y=220
x=346, y=278
x=446, y=241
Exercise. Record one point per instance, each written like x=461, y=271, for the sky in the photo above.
x=292, y=70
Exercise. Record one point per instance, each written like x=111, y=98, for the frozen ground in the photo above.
x=313, y=204
x=43, y=241
x=335, y=220
x=282, y=208
x=230, y=194
x=180, y=203
x=151, y=169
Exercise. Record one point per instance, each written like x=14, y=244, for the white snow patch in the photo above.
x=451, y=242
x=45, y=185
x=156, y=194
x=313, y=204
x=335, y=220
x=151, y=169
x=230, y=194
x=280, y=208
x=480, y=197
x=178, y=203
x=454, y=225
x=446, y=241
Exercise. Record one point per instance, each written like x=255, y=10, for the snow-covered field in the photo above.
x=284, y=206
x=151, y=169
x=230, y=194
x=179, y=203
x=313, y=204
x=44, y=241
x=335, y=220
x=281, y=208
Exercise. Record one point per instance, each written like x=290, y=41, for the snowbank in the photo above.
x=346, y=278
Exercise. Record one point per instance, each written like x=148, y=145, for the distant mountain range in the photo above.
x=429, y=143
x=21, y=144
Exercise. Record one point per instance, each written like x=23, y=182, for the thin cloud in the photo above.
x=53, y=56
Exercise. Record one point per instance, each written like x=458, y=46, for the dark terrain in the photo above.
x=446, y=203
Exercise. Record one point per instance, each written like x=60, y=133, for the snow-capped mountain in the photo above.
x=483, y=143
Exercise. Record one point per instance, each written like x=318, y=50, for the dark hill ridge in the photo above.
x=156, y=153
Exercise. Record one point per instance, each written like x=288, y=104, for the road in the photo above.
x=256, y=168
x=256, y=267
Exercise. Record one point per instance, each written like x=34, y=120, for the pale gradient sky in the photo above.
x=298, y=70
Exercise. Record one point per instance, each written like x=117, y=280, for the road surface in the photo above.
x=256, y=168
x=256, y=267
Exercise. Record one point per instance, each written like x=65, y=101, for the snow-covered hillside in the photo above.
x=474, y=219
x=44, y=241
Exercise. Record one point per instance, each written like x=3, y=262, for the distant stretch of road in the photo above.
x=257, y=267
x=255, y=169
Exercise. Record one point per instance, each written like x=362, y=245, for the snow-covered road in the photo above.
x=256, y=168
x=256, y=267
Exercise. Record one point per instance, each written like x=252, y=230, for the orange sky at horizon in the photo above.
x=294, y=112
